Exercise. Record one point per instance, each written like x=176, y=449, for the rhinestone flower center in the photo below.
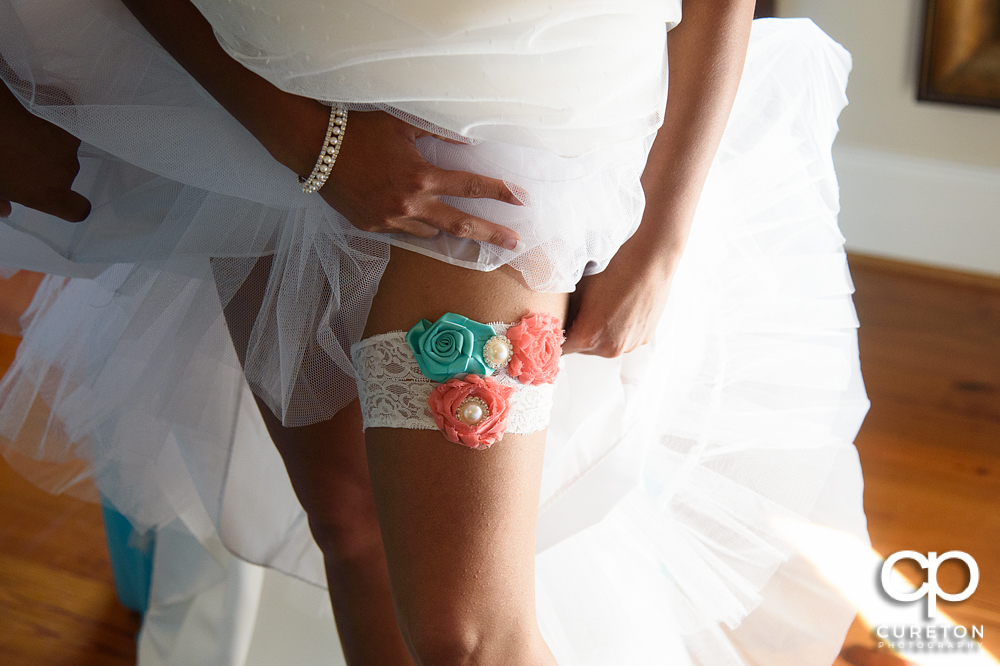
x=498, y=351
x=472, y=411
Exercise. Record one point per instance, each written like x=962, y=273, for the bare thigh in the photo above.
x=328, y=469
x=458, y=525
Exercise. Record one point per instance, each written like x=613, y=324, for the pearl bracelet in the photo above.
x=328, y=154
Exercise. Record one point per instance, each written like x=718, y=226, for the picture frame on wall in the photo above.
x=960, y=62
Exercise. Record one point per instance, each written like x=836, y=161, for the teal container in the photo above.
x=131, y=559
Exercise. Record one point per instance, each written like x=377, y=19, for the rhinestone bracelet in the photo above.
x=328, y=154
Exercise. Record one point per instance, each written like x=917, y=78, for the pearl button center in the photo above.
x=471, y=413
x=500, y=351
x=497, y=352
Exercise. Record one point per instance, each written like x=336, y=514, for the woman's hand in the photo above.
x=380, y=182
x=38, y=163
x=616, y=310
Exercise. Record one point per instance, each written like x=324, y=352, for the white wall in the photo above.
x=920, y=181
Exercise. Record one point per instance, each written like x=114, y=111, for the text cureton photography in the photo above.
x=929, y=637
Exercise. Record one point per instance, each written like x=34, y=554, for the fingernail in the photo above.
x=521, y=196
x=511, y=244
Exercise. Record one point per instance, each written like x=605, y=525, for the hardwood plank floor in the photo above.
x=930, y=451
x=930, y=446
x=57, y=597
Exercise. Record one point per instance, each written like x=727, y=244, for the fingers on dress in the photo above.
x=665, y=470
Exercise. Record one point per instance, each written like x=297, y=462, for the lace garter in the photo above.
x=469, y=380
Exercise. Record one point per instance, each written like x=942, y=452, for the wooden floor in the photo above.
x=930, y=450
x=930, y=446
x=57, y=600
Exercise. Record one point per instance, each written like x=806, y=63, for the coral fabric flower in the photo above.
x=448, y=402
x=453, y=345
x=537, y=341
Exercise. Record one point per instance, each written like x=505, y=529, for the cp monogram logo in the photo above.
x=930, y=588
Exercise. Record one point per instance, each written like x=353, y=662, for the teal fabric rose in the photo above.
x=453, y=345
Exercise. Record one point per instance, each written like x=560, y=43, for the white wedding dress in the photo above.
x=665, y=470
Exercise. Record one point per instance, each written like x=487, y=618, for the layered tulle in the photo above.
x=566, y=76
x=664, y=470
x=172, y=177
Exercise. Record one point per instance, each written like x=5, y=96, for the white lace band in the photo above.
x=394, y=392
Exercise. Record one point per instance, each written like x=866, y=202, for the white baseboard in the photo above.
x=922, y=210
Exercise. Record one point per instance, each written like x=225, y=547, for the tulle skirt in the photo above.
x=665, y=470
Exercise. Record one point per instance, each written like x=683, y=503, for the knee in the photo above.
x=453, y=641
x=451, y=646
x=347, y=527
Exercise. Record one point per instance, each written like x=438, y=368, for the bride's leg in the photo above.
x=327, y=467
x=458, y=525
x=326, y=464
x=483, y=513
